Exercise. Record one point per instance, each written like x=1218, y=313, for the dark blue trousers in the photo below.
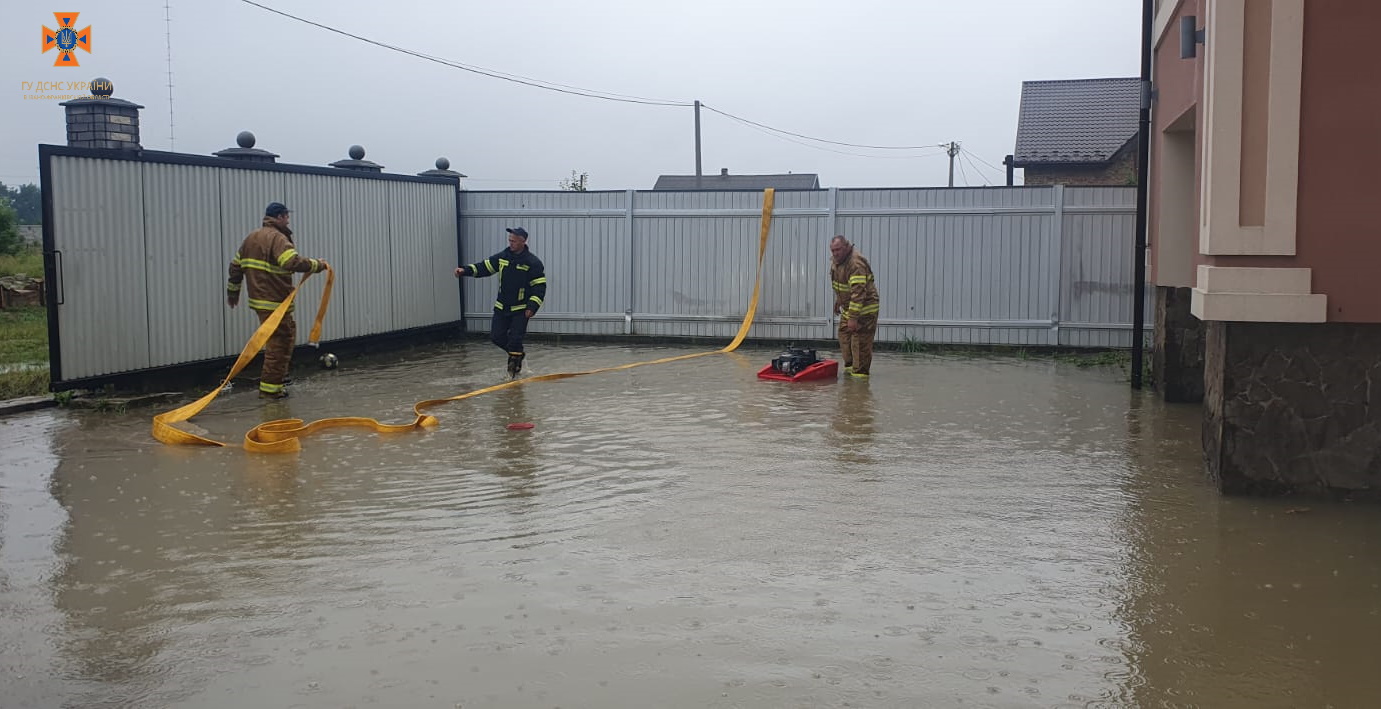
x=507, y=329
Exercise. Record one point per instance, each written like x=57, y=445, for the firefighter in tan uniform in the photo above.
x=265, y=262
x=856, y=303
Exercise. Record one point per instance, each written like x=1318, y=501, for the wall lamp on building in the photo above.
x=1189, y=36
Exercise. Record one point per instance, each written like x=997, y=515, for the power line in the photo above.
x=492, y=73
x=964, y=157
x=987, y=163
x=765, y=129
x=820, y=140
x=579, y=91
x=963, y=174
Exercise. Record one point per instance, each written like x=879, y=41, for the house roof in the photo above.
x=725, y=181
x=1075, y=121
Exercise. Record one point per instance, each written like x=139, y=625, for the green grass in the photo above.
x=23, y=340
x=27, y=382
x=24, y=336
x=29, y=261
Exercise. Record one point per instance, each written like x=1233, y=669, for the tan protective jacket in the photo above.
x=266, y=260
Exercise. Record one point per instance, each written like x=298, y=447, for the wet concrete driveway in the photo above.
x=957, y=532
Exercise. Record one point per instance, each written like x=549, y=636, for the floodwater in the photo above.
x=958, y=532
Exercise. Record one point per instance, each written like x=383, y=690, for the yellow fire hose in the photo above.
x=282, y=435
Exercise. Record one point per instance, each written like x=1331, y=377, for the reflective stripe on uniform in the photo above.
x=270, y=388
x=264, y=266
x=536, y=281
x=536, y=300
x=232, y=287
x=286, y=256
x=839, y=287
x=257, y=304
x=517, y=307
x=859, y=280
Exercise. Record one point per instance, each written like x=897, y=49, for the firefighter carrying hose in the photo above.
x=266, y=261
x=856, y=303
x=522, y=286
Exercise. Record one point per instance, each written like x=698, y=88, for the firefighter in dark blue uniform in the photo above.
x=522, y=286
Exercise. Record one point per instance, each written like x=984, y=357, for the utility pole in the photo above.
x=952, y=149
x=697, y=145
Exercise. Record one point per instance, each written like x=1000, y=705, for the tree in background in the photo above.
x=577, y=183
x=10, y=241
x=26, y=200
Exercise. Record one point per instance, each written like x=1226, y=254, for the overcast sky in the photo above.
x=894, y=73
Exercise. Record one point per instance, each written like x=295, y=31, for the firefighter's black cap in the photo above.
x=517, y=231
x=276, y=209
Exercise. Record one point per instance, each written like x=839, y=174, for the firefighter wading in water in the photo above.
x=522, y=286
x=266, y=261
x=856, y=303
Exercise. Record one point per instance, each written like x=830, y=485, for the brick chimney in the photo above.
x=102, y=121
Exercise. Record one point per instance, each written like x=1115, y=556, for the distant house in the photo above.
x=1078, y=132
x=725, y=181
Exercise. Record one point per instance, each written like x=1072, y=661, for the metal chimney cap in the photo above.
x=356, y=152
x=245, y=139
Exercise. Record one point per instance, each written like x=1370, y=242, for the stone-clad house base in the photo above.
x=1293, y=408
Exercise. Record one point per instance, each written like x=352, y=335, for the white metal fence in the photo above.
x=1032, y=266
x=138, y=244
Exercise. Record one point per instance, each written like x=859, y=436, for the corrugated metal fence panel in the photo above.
x=98, y=222
x=981, y=265
x=243, y=196
x=411, y=232
x=366, y=258
x=445, y=246
x=1096, y=282
x=695, y=267
x=185, y=279
x=318, y=232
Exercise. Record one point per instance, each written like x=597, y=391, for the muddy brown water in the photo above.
x=958, y=532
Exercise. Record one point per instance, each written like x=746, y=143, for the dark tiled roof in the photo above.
x=793, y=181
x=1075, y=121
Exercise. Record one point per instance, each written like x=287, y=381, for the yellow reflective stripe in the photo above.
x=839, y=286
x=270, y=388
x=535, y=281
x=263, y=304
x=855, y=307
x=498, y=305
x=233, y=287
x=489, y=264
x=286, y=256
x=536, y=300
x=503, y=263
x=855, y=280
x=518, y=307
x=869, y=309
x=258, y=265
x=316, y=265
x=522, y=267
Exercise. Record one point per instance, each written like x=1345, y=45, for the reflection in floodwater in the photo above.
x=955, y=531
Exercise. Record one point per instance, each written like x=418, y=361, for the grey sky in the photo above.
x=867, y=72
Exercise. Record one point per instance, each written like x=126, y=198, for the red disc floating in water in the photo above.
x=519, y=426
